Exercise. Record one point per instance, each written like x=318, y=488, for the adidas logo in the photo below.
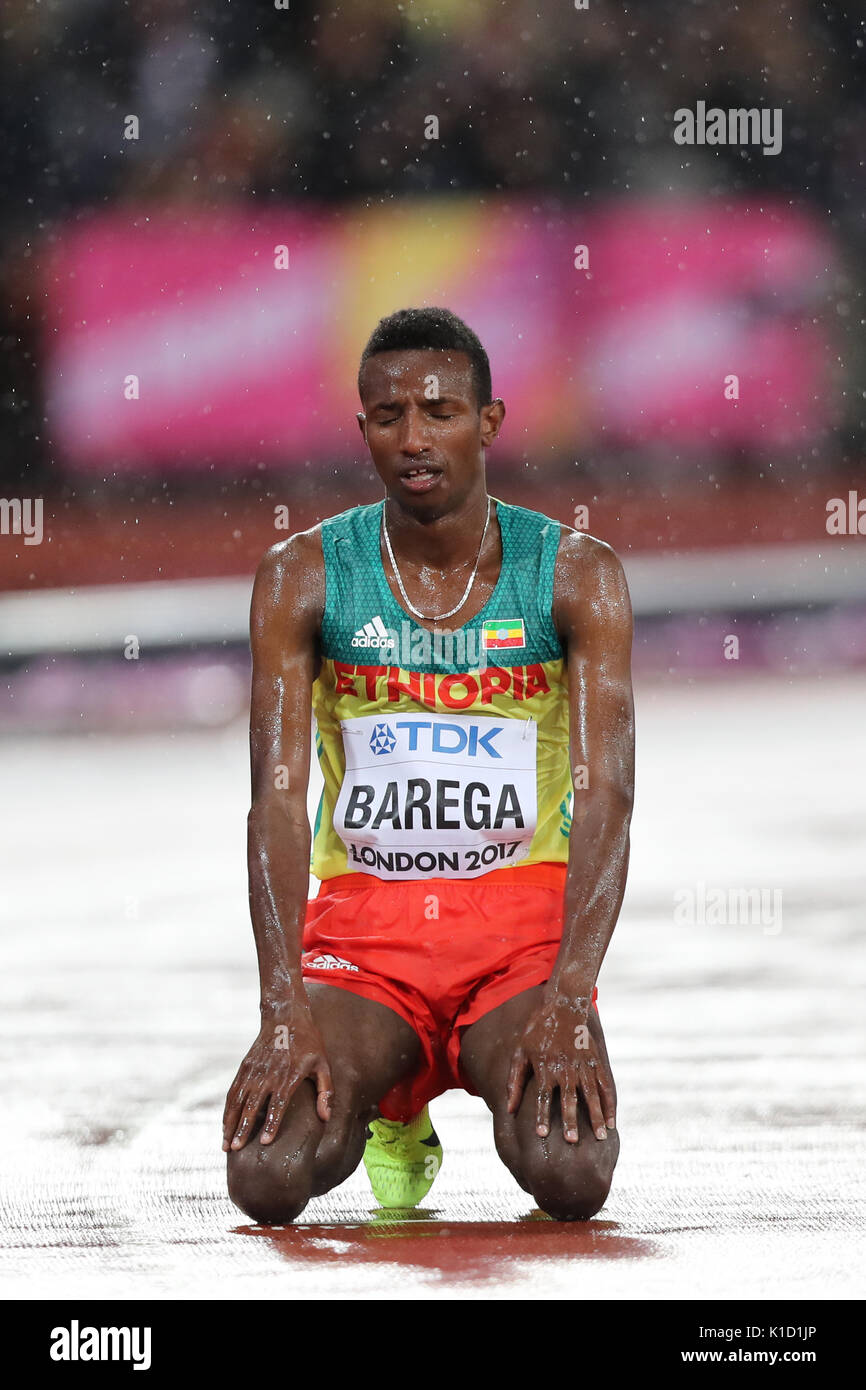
x=373, y=634
x=329, y=962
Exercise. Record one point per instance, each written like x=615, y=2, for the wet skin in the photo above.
x=295, y=1114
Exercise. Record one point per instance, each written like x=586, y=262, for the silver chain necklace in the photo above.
x=406, y=598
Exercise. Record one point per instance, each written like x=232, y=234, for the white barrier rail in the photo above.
x=178, y=613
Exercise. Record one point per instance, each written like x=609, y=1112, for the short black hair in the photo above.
x=409, y=329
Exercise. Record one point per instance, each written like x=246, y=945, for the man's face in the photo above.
x=423, y=426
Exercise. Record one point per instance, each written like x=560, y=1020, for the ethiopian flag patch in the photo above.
x=508, y=632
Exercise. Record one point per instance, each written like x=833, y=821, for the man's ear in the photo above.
x=362, y=424
x=492, y=416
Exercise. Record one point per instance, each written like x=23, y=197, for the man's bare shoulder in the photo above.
x=300, y=552
x=589, y=578
x=291, y=577
x=584, y=556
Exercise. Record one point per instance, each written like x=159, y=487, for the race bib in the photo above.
x=436, y=795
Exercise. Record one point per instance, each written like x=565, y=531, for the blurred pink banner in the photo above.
x=681, y=299
x=238, y=360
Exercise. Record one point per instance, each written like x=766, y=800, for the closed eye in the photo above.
x=392, y=419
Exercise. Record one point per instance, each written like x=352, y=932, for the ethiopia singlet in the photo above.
x=443, y=754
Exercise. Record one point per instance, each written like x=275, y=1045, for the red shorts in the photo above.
x=440, y=952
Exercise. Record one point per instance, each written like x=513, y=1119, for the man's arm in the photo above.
x=285, y=618
x=592, y=612
x=594, y=618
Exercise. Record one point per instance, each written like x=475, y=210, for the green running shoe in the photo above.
x=402, y=1161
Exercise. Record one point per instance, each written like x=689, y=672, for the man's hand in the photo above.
x=284, y=1054
x=559, y=1049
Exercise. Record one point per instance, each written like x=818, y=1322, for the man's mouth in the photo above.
x=420, y=478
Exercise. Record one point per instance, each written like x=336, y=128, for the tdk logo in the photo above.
x=427, y=737
x=382, y=739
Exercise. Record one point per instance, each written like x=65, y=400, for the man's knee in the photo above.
x=269, y=1185
x=573, y=1190
x=570, y=1182
x=272, y=1183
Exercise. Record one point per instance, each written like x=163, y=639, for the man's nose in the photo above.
x=413, y=433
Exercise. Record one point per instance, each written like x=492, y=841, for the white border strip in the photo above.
x=176, y=613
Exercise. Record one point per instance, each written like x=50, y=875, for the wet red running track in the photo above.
x=129, y=995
